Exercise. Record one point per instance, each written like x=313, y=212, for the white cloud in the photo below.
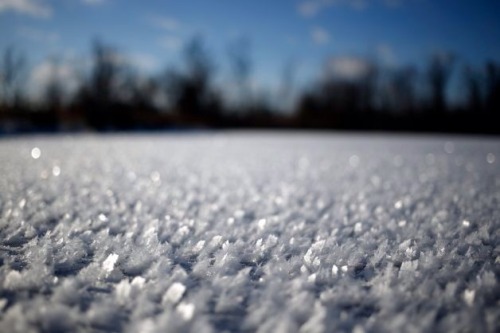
x=320, y=36
x=143, y=61
x=310, y=8
x=171, y=43
x=164, y=23
x=33, y=8
x=349, y=68
x=39, y=36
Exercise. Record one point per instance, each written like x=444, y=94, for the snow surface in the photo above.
x=288, y=232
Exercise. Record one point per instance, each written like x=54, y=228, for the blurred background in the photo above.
x=389, y=65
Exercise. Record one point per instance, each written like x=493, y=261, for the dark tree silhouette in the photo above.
x=287, y=84
x=356, y=94
x=54, y=91
x=192, y=92
x=493, y=87
x=104, y=74
x=330, y=102
x=339, y=100
x=310, y=110
x=137, y=90
x=143, y=93
x=474, y=89
x=401, y=88
x=99, y=93
x=241, y=68
x=438, y=75
x=12, y=75
x=368, y=87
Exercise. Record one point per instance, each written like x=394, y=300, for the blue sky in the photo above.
x=308, y=32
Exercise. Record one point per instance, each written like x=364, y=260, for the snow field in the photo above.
x=249, y=233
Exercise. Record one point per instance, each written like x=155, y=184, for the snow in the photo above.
x=186, y=310
x=288, y=232
x=109, y=264
x=36, y=153
x=174, y=293
x=469, y=297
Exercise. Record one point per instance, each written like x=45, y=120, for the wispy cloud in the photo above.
x=320, y=36
x=164, y=22
x=171, y=43
x=169, y=27
x=348, y=68
x=32, y=8
x=39, y=36
x=310, y=8
x=144, y=61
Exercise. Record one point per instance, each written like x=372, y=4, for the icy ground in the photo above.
x=249, y=232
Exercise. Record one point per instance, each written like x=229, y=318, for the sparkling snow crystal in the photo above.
x=253, y=232
x=174, y=293
x=109, y=264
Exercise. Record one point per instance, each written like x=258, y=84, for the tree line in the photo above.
x=112, y=95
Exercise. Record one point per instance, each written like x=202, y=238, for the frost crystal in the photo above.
x=249, y=233
x=109, y=264
x=469, y=296
x=3, y=303
x=138, y=281
x=186, y=310
x=199, y=246
x=174, y=293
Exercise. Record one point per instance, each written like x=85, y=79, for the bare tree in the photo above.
x=368, y=87
x=54, y=91
x=402, y=89
x=439, y=72
x=99, y=93
x=105, y=71
x=140, y=90
x=472, y=79
x=493, y=86
x=199, y=66
x=12, y=71
x=241, y=68
x=287, y=83
x=192, y=92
